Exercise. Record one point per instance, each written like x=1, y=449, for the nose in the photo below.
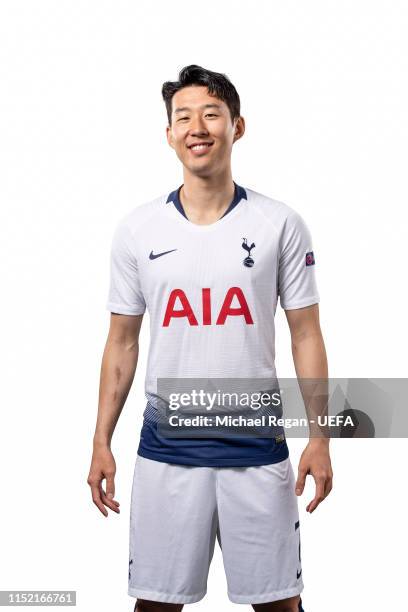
x=198, y=127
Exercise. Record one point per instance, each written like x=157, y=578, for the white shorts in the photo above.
x=176, y=513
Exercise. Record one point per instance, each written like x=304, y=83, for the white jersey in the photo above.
x=211, y=291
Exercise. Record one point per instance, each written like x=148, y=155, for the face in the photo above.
x=197, y=118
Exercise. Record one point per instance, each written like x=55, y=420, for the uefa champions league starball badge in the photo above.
x=248, y=261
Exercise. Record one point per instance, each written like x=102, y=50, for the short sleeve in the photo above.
x=125, y=295
x=297, y=286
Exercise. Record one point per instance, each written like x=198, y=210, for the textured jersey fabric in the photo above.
x=211, y=292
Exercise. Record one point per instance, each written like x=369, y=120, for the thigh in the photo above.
x=259, y=532
x=173, y=522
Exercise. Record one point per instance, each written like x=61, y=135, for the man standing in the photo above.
x=208, y=261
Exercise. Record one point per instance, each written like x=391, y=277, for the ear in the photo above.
x=239, y=128
x=169, y=136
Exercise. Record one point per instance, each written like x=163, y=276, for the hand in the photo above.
x=103, y=467
x=315, y=460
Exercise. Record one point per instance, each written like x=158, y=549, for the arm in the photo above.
x=117, y=372
x=309, y=357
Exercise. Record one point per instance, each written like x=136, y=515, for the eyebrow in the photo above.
x=182, y=109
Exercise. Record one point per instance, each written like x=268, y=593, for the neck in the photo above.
x=205, y=199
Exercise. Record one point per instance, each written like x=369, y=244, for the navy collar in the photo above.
x=239, y=194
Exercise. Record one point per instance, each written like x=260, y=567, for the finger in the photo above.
x=319, y=495
x=300, y=483
x=328, y=486
x=110, y=488
x=96, y=498
x=109, y=502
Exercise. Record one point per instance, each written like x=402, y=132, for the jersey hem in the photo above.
x=301, y=303
x=119, y=309
x=233, y=462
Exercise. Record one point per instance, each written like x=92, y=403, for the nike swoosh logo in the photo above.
x=298, y=574
x=152, y=256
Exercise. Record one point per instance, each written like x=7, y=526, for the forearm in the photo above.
x=117, y=372
x=310, y=360
x=309, y=356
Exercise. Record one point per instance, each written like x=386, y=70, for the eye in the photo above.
x=182, y=118
x=211, y=115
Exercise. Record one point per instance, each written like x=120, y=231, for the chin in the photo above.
x=203, y=170
x=199, y=166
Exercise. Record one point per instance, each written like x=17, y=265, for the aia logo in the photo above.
x=227, y=310
x=310, y=260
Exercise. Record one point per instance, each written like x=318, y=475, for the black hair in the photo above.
x=218, y=85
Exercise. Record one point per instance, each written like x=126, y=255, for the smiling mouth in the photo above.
x=199, y=148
